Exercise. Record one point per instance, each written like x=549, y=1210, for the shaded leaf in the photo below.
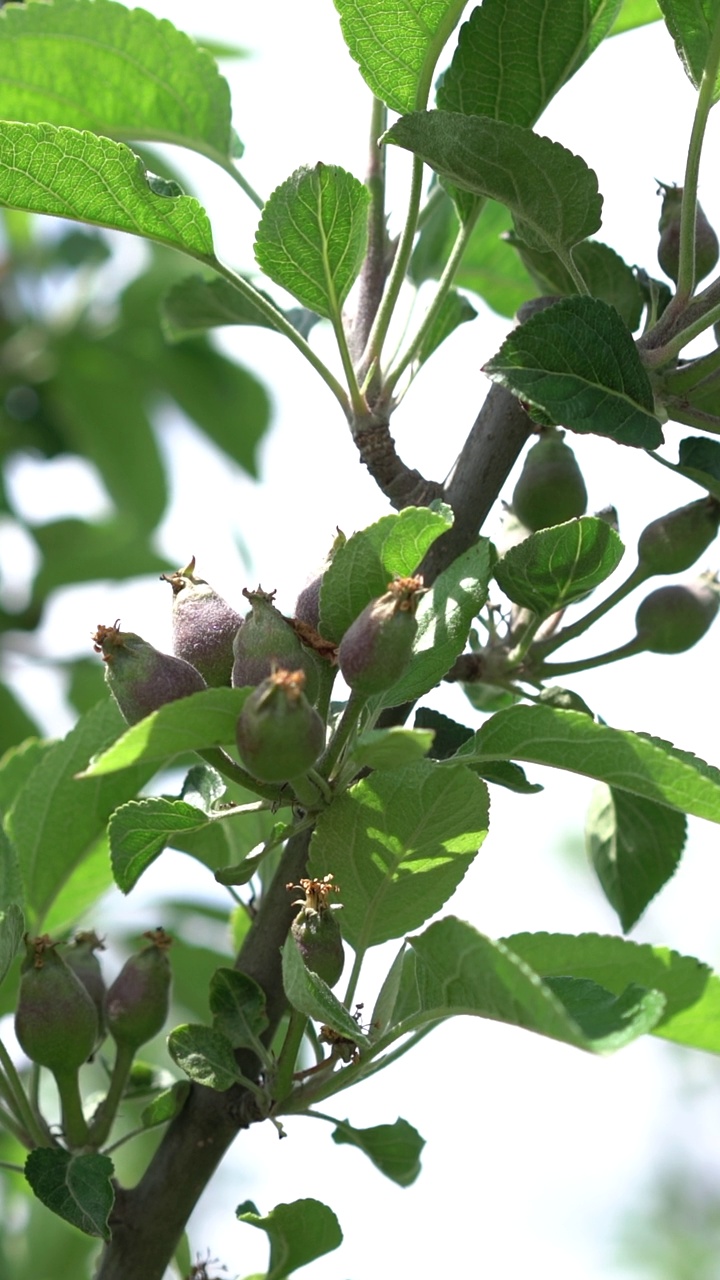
x=555, y=566
x=455, y=310
x=87, y=882
x=635, y=847
x=84, y=551
x=576, y=364
x=12, y=890
x=205, y=1055
x=15, y=722
x=312, y=235
x=605, y=273
x=398, y=844
x=308, y=993
x=165, y=1105
x=123, y=73
x=46, y=169
x=198, y=303
x=393, y=1148
x=298, y=1233
x=693, y=27
x=551, y=193
x=448, y=735
x=699, y=461
x=397, y=47
x=503, y=773
x=238, y=1007
x=76, y=1188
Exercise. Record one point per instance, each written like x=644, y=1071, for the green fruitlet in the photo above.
x=674, y=542
x=673, y=618
x=550, y=489
x=56, y=1022
x=376, y=649
x=279, y=734
x=136, y=1005
x=316, y=930
x=706, y=241
x=204, y=625
x=140, y=677
x=265, y=642
x=81, y=958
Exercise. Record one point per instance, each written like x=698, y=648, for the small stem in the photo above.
x=638, y=576
x=374, y=268
x=357, y=399
x=307, y=792
x=244, y=185
x=378, y=334
x=105, y=1115
x=17, y=1101
x=282, y=1085
x=348, y=720
x=74, y=1124
x=354, y=978
x=549, y=669
x=229, y=768
x=12, y=1168
x=686, y=265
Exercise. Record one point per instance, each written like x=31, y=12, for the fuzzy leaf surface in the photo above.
x=397, y=46
x=58, y=817
x=312, y=235
x=454, y=969
x=298, y=1233
x=444, y=617
x=398, y=844
x=692, y=27
x=308, y=993
x=551, y=193
x=93, y=64
x=576, y=364
x=205, y=719
x=513, y=56
x=76, y=1188
x=49, y=169
x=363, y=566
x=238, y=1007
x=644, y=766
x=635, y=846
x=141, y=829
x=393, y=1148
x=555, y=566
x=691, y=989
x=205, y=1055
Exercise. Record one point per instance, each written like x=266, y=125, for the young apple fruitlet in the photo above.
x=204, y=625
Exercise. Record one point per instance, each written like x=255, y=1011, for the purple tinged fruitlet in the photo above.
x=204, y=625
x=56, y=1023
x=706, y=241
x=316, y=930
x=376, y=649
x=266, y=642
x=307, y=605
x=136, y=1004
x=673, y=618
x=674, y=542
x=140, y=677
x=279, y=734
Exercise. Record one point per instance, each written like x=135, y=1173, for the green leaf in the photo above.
x=84, y=551
x=12, y=928
x=512, y=57
x=455, y=310
x=312, y=235
x=397, y=47
x=644, y=766
x=693, y=28
x=605, y=273
x=76, y=1188
x=448, y=736
x=444, y=617
x=15, y=723
x=205, y=719
x=46, y=169
x=15, y=768
x=57, y=817
x=454, y=969
x=122, y=73
x=391, y=748
x=298, y=1233
x=203, y=787
x=141, y=829
x=575, y=363
x=199, y=303
x=87, y=882
x=691, y=989
x=635, y=13
x=363, y=566
x=503, y=773
x=398, y=844
x=238, y=1006
x=310, y=995
x=699, y=461
x=205, y=1055
x=635, y=846
x=551, y=193
x=165, y=1105
x=12, y=890
x=393, y=1148
x=554, y=567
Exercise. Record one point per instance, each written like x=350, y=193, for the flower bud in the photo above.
x=706, y=241
x=204, y=625
x=376, y=650
x=316, y=930
x=550, y=489
x=675, y=541
x=136, y=1005
x=279, y=734
x=673, y=618
x=265, y=642
x=140, y=677
x=56, y=1023
x=80, y=957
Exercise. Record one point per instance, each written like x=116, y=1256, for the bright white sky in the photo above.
x=533, y=1149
